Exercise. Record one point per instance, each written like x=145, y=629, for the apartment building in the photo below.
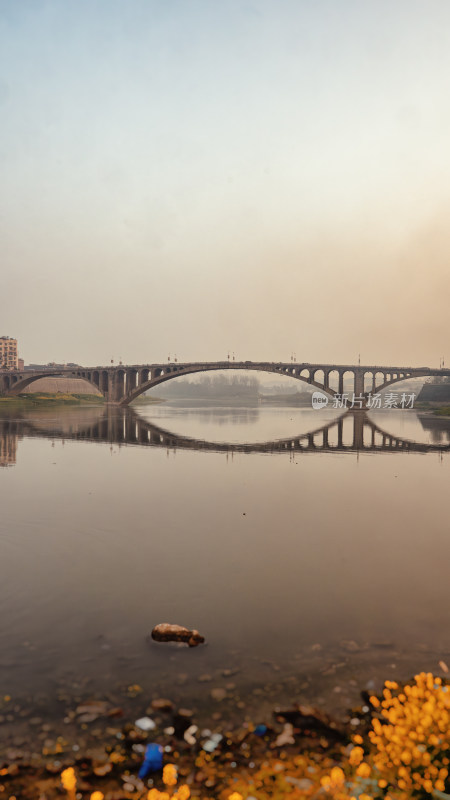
x=8, y=449
x=8, y=353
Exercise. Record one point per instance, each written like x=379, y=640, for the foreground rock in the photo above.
x=165, y=632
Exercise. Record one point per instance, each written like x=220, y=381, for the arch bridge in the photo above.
x=121, y=384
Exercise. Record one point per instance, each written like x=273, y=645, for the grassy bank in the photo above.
x=442, y=411
x=45, y=399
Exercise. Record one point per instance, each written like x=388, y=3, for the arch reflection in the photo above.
x=351, y=432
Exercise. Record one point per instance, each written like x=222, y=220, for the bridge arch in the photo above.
x=346, y=375
x=162, y=374
x=391, y=378
x=317, y=376
x=332, y=379
x=369, y=381
x=15, y=385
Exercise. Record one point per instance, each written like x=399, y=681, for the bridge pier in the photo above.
x=116, y=387
x=340, y=424
x=359, y=382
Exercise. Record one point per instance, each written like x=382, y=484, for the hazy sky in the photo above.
x=194, y=177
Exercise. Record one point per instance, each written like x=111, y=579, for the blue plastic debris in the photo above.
x=260, y=730
x=153, y=760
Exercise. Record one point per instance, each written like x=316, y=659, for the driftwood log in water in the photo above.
x=176, y=633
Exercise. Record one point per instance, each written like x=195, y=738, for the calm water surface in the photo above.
x=309, y=567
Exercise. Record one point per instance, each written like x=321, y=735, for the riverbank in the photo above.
x=443, y=411
x=300, y=752
x=147, y=400
x=433, y=408
x=41, y=399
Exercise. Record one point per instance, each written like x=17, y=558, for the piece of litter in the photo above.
x=153, y=760
x=285, y=737
x=145, y=724
x=212, y=743
x=260, y=730
x=189, y=734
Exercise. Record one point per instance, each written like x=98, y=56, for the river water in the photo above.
x=314, y=567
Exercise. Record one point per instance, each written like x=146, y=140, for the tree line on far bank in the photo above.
x=213, y=386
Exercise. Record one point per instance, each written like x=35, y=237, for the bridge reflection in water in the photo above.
x=351, y=432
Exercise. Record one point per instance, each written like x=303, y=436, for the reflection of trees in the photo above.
x=351, y=432
x=438, y=428
x=220, y=415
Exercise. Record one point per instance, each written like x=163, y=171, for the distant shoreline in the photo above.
x=298, y=400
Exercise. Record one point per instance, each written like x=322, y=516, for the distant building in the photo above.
x=8, y=353
x=8, y=448
x=21, y=363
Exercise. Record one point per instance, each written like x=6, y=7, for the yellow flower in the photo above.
x=235, y=796
x=183, y=792
x=337, y=776
x=356, y=756
x=170, y=775
x=116, y=757
x=363, y=770
x=68, y=779
x=155, y=794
